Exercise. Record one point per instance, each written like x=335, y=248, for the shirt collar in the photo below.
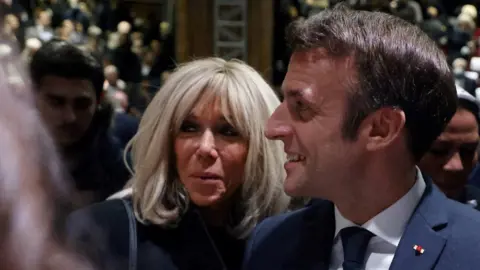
x=381, y=225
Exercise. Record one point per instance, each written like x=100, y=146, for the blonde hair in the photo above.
x=246, y=101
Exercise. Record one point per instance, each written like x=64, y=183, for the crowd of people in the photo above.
x=452, y=24
x=369, y=161
x=137, y=53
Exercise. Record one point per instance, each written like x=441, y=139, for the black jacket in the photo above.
x=99, y=170
x=101, y=233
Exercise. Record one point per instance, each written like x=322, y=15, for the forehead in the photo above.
x=315, y=69
x=210, y=105
x=66, y=87
x=462, y=127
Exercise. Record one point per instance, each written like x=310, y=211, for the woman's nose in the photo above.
x=207, y=147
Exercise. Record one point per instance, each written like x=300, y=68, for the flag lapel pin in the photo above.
x=418, y=249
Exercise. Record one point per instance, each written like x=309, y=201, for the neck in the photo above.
x=381, y=185
x=69, y=157
x=216, y=216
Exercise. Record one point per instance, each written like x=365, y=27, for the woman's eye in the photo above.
x=228, y=130
x=188, y=126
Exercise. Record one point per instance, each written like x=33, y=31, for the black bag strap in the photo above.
x=132, y=257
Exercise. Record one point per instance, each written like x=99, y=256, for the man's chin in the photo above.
x=293, y=186
x=66, y=143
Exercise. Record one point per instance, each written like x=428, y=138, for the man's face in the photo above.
x=309, y=122
x=149, y=58
x=67, y=107
x=453, y=155
x=111, y=77
x=44, y=18
x=156, y=47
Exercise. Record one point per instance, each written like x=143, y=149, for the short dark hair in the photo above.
x=472, y=108
x=397, y=65
x=62, y=59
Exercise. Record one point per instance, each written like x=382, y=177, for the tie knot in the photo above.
x=355, y=241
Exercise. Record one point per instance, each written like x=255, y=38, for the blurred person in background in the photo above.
x=460, y=34
x=15, y=8
x=57, y=9
x=64, y=32
x=32, y=45
x=42, y=28
x=79, y=36
x=112, y=82
x=453, y=155
x=137, y=43
x=95, y=44
x=163, y=60
x=79, y=13
x=125, y=126
x=32, y=181
x=11, y=32
x=127, y=62
x=406, y=10
x=149, y=69
x=69, y=88
x=459, y=67
x=435, y=25
x=204, y=175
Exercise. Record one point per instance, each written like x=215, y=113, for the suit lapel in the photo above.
x=425, y=229
x=314, y=247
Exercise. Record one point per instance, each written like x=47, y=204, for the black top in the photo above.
x=100, y=171
x=100, y=232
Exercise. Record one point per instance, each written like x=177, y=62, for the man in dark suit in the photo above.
x=125, y=126
x=453, y=155
x=365, y=96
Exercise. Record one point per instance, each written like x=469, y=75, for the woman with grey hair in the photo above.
x=204, y=176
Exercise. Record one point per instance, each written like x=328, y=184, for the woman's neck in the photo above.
x=216, y=215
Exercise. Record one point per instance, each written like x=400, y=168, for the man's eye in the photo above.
x=439, y=152
x=83, y=104
x=467, y=152
x=55, y=101
x=300, y=106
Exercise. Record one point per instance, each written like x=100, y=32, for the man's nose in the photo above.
x=206, y=146
x=69, y=114
x=454, y=163
x=277, y=125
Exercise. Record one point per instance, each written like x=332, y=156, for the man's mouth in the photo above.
x=295, y=158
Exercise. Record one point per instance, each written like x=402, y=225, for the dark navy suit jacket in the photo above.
x=448, y=231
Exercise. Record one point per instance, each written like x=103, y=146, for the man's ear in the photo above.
x=382, y=127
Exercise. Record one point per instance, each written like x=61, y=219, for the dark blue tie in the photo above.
x=355, y=241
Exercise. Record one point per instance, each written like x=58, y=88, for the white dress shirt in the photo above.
x=388, y=227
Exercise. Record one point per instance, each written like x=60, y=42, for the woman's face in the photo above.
x=210, y=155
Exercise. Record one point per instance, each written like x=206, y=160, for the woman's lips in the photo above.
x=208, y=176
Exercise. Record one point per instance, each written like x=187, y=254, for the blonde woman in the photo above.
x=204, y=175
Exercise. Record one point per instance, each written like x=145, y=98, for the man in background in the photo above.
x=453, y=155
x=69, y=96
